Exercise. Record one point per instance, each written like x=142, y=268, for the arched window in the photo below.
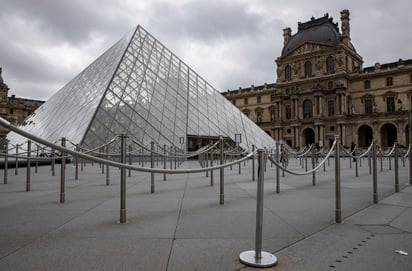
x=288, y=73
x=308, y=69
x=330, y=65
x=307, y=109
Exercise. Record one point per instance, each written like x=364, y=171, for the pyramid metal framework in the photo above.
x=140, y=88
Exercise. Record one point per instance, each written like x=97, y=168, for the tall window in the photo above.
x=330, y=65
x=272, y=97
x=272, y=112
x=330, y=85
x=246, y=112
x=258, y=116
x=288, y=73
x=389, y=81
x=246, y=101
x=288, y=112
x=307, y=109
x=308, y=69
x=258, y=99
x=234, y=102
x=368, y=106
x=390, y=104
x=367, y=84
x=331, y=108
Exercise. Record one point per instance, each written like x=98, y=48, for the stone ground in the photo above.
x=182, y=226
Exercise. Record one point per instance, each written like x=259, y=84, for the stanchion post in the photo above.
x=152, y=183
x=28, y=165
x=107, y=166
x=257, y=257
x=36, y=169
x=253, y=163
x=53, y=162
x=396, y=165
x=164, y=161
x=63, y=173
x=313, y=166
x=375, y=175
x=356, y=167
x=122, y=179
x=222, y=174
x=6, y=162
x=277, y=169
x=130, y=159
x=211, y=165
x=338, y=210
x=76, y=160
x=17, y=160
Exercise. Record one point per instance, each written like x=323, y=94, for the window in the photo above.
x=390, y=104
x=308, y=69
x=288, y=73
x=11, y=111
x=259, y=116
x=330, y=65
x=245, y=101
x=411, y=78
x=259, y=99
x=272, y=112
x=307, y=109
x=288, y=112
x=246, y=112
x=368, y=106
x=367, y=84
x=272, y=97
x=234, y=102
x=330, y=85
x=331, y=108
x=389, y=81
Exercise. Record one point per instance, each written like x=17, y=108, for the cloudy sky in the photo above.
x=230, y=43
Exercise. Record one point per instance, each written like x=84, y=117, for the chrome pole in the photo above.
x=313, y=166
x=375, y=175
x=253, y=163
x=222, y=174
x=123, y=179
x=53, y=162
x=37, y=160
x=28, y=165
x=257, y=257
x=211, y=165
x=164, y=161
x=107, y=166
x=6, y=162
x=396, y=165
x=130, y=159
x=338, y=211
x=63, y=174
x=152, y=184
x=76, y=172
x=17, y=160
x=277, y=169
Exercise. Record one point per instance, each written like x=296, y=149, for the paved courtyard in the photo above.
x=182, y=226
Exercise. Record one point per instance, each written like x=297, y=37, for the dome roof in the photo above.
x=321, y=30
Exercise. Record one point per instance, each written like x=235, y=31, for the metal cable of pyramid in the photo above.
x=140, y=88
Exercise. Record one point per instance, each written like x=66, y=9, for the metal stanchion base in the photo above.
x=266, y=260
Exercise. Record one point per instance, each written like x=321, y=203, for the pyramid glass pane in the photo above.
x=140, y=88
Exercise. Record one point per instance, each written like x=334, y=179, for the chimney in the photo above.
x=287, y=33
x=345, y=26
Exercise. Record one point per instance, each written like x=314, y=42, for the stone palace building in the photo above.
x=323, y=90
x=14, y=109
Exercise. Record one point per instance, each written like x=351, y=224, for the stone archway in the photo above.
x=389, y=135
x=365, y=136
x=308, y=136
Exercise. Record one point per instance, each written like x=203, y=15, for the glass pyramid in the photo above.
x=140, y=88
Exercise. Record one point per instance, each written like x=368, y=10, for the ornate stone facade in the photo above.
x=13, y=109
x=322, y=90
